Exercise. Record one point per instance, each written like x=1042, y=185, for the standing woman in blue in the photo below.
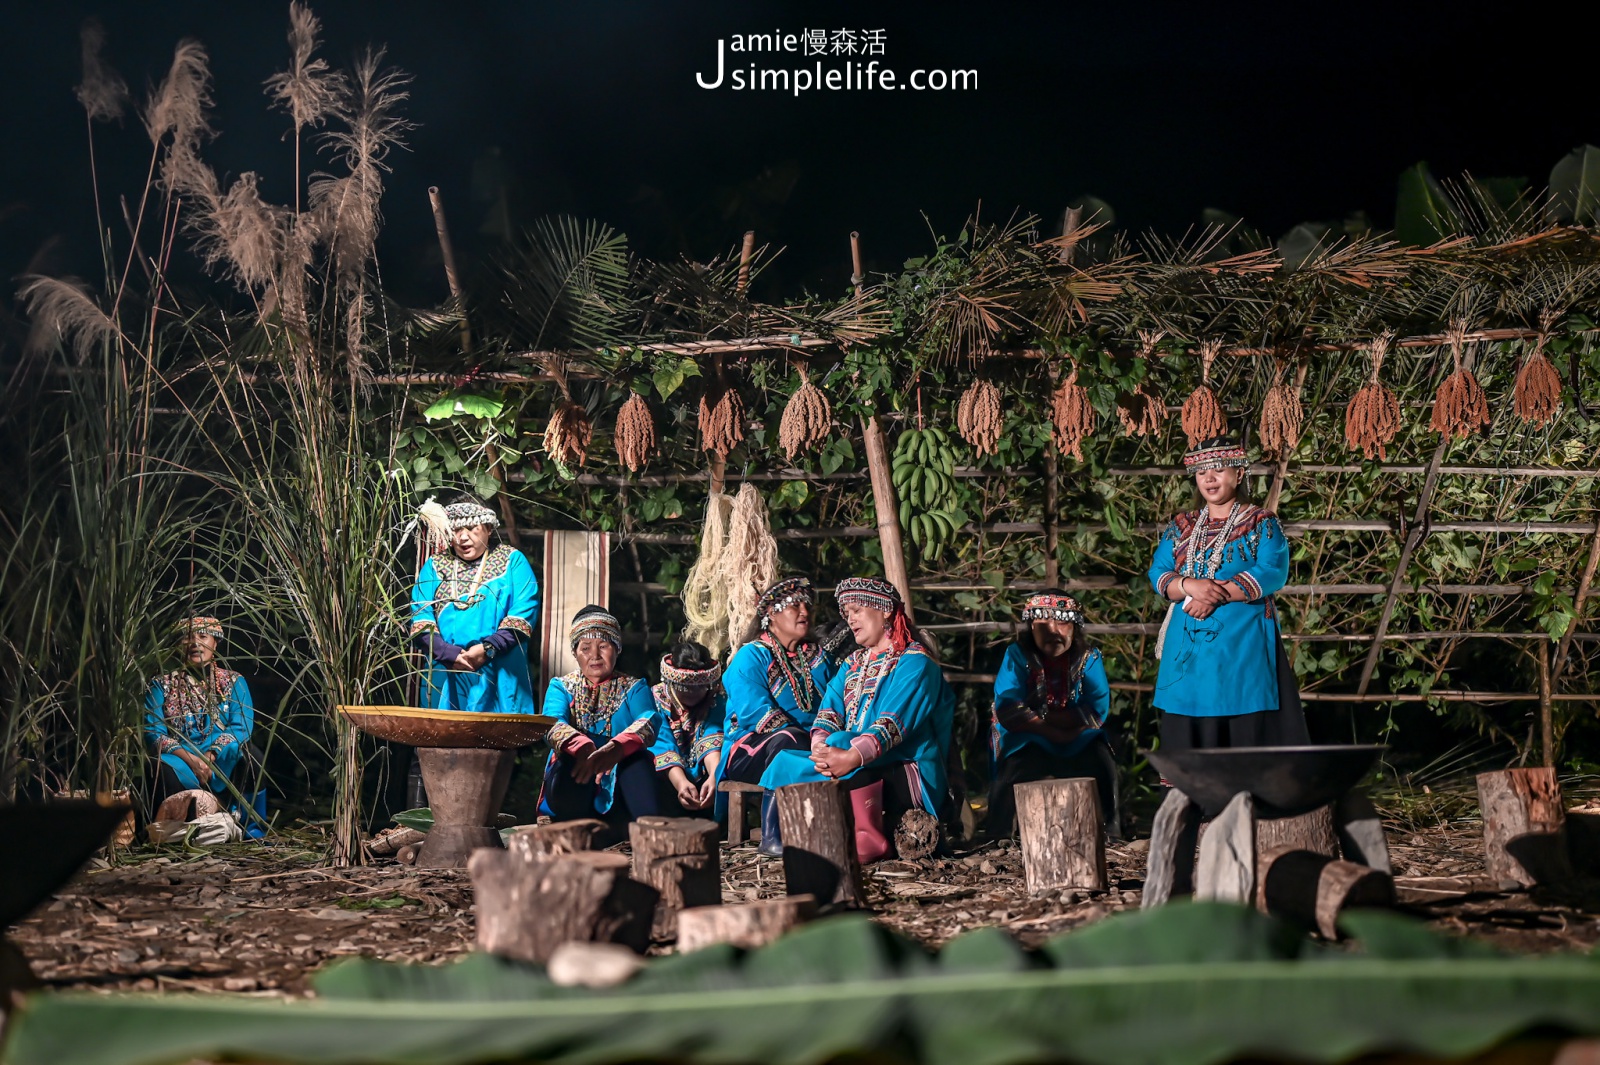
x=473, y=608
x=1051, y=697
x=601, y=764
x=885, y=724
x=198, y=719
x=690, y=707
x=1224, y=679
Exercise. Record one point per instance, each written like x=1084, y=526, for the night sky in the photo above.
x=1162, y=110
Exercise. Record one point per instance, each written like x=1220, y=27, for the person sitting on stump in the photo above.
x=690, y=705
x=1051, y=697
x=198, y=718
x=600, y=764
x=775, y=685
x=885, y=725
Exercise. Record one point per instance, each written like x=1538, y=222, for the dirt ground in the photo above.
x=261, y=917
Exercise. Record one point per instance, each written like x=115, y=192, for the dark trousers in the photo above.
x=749, y=758
x=1033, y=762
x=633, y=795
x=1284, y=727
x=245, y=775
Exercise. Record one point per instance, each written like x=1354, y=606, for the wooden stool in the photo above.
x=738, y=826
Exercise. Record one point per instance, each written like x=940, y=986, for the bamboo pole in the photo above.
x=1585, y=583
x=1547, y=740
x=1052, y=516
x=447, y=248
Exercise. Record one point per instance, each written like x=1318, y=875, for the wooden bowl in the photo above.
x=419, y=727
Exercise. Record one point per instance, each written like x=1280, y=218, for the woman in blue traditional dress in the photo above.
x=775, y=685
x=198, y=719
x=600, y=765
x=690, y=706
x=1224, y=679
x=885, y=724
x=1051, y=697
x=473, y=610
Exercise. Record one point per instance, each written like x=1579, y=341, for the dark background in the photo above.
x=1281, y=115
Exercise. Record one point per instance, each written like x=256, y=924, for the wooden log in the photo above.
x=1523, y=841
x=1227, y=867
x=1312, y=889
x=1308, y=832
x=528, y=905
x=558, y=837
x=739, y=807
x=1063, y=839
x=1169, y=868
x=1360, y=831
x=747, y=925
x=819, y=844
x=679, y=857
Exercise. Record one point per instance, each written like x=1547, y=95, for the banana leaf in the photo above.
x=1198, y=984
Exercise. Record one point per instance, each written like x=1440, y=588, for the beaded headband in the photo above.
x=1048, y=606
x=200, y=626
x=688, y=678
x=596, y=625
x=783, y=595
x=466, y=515
x=868, y=591
x=1216, y=455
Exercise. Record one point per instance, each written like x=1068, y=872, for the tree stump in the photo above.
x=1523, y=841
x=1227, y=866
x=739, y=807
x=559, y=837
x=679, y=857
x=1308, y=832
x=917, y=835
x=1169, y=868
x=1063, y=839
x=819, y=844
x=747, y=925
x=528, y=905
x=1312, y=889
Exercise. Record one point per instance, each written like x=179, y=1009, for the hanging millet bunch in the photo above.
x=567, y=435
x=721, y=421
x=1538, y=388
x=1460, y=406
x=1281, y=415
x=636, y=432
x=1373, y=417
x=1071, y=416
x=978, y=417
x=1141, y=411
x=1203, y=418
x=807, y=418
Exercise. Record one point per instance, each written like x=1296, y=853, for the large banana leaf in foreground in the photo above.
x=1186, y=985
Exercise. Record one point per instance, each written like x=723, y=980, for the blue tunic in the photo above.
x=445, y=600
x=760, y=699
x=622, y=705
x=908, y=712
x=687, y=750
x=1090, y=697
x=1227, y=663
x=212, y=716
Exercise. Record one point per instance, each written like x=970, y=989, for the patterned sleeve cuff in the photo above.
x=223, y=740
x=828, y=721
x=773, y=720
x=887, y=733
x=165, y=744
x=518, y=625
x=1165, y=582
x=560, y=735
x=643, y=729
x=667, y=761
x=705, y=747
x=867, y=747
x=420, y=627
x=1247, y=584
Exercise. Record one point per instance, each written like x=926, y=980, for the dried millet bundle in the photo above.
x=1373, y=417
x=1203, y=418
x=1141, y=411
x=1538, y=389
x=807, y=419
x=566, y=437
x=1071, y=416
x=1281, y=415
x=721, y=422
x=978, y=417
x=1460, y=406
x=636, y=432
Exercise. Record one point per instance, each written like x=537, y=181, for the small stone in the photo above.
x=987, y=868
x=1071, y=898
x=592, y=965
x=127, y=956
x=1139, y=846
x=239, y=983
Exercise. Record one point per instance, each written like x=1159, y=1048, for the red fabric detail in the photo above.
x=899, y=630
x=576, y=744
x=630, y=743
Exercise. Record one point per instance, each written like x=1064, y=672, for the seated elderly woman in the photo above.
x=600, y=764
x=198, y=718
x=690, y=706
x=885, y=724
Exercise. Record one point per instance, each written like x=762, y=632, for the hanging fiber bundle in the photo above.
x=567, y=435
x=1373, y=417
x=1071, y=416
x=978, y=417
x=807, y=418
x=1460, y=406
x=1141, y=411
x=1538, y=389
x=1203, y=417
x=705, y=593
x=721, y=422
x=636, y=432
x=1148, y=339
x=1281, y=416
x=749, y=563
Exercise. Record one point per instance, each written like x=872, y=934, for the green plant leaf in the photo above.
x=1422, y=213
x=464, y=403
x=1575, y=187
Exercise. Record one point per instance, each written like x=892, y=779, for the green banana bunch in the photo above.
x=923, y=472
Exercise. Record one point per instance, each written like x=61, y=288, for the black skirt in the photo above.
x=1283, y=727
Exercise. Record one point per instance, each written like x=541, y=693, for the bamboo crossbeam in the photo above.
x=1112, y=584
x=1445, y=695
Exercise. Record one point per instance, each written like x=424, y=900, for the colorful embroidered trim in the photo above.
x=597, y=625
x=467, y=515
x=593, y=705
x=785, y=594
x=200, y=625
x=867, y=591
x=792, y=667
x=420, y=627
x=517, y=625
x=689, y=678
x=1216, y=456
x=1048, y=606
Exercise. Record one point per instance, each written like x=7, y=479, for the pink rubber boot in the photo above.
x=867, y=805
